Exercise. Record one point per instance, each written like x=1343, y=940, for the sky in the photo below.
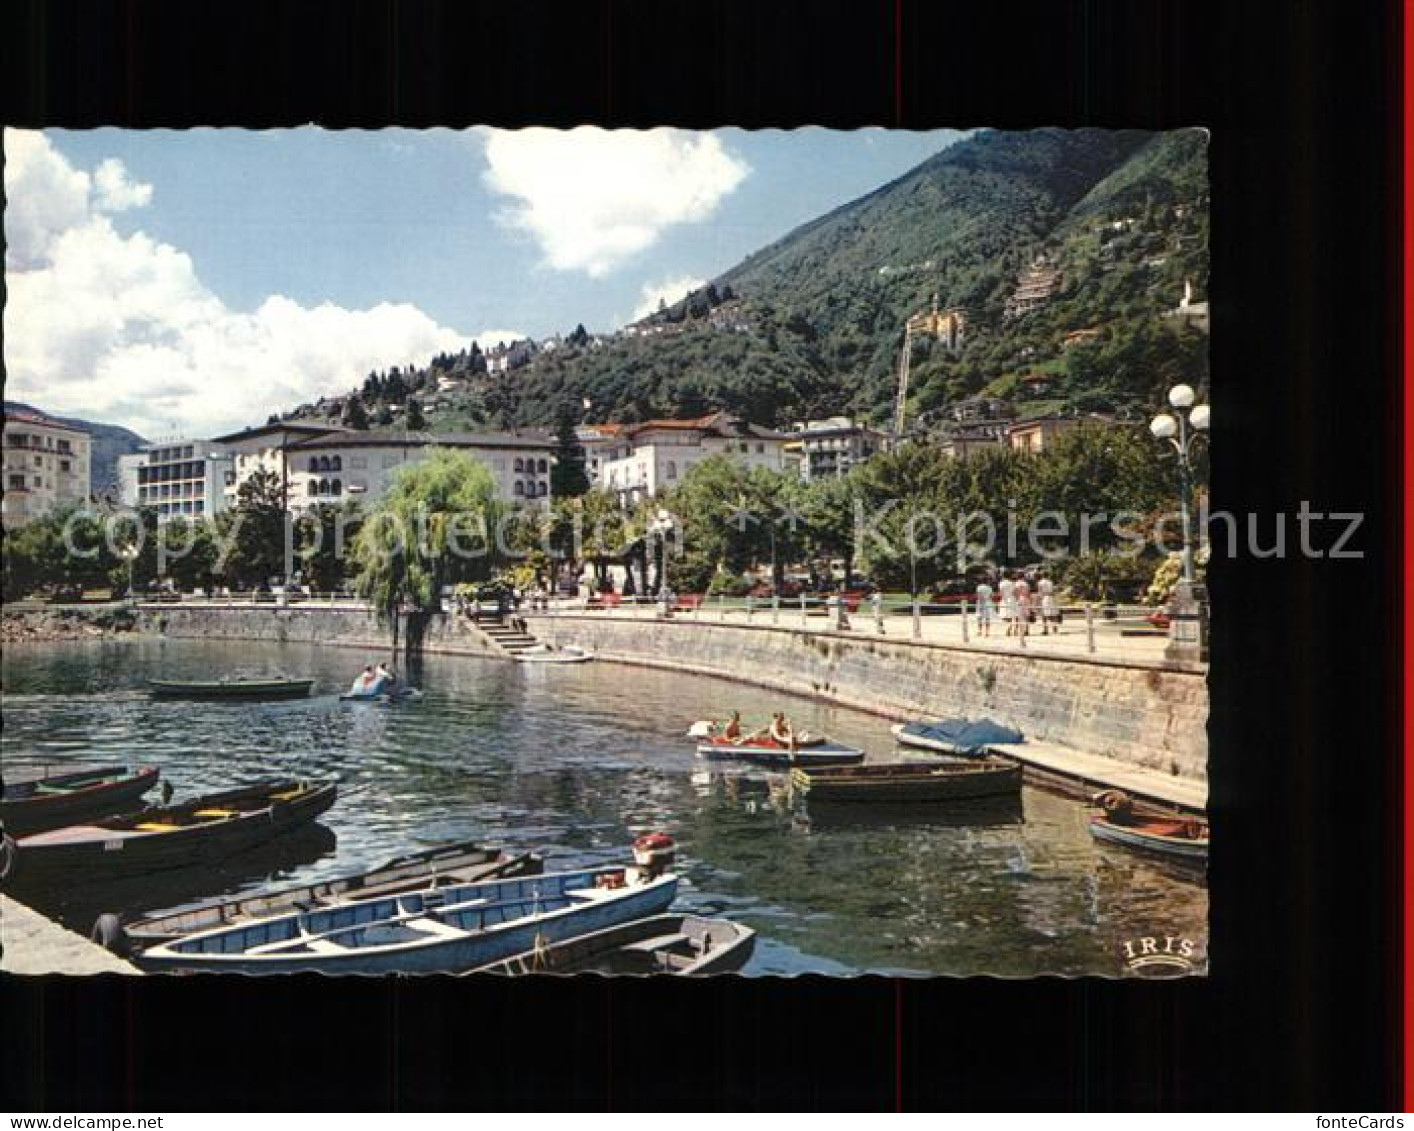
x=188, y=283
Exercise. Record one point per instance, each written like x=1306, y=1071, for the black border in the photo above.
x=1301, y=1009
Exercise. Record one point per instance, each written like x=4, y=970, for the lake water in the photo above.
x=574, y=761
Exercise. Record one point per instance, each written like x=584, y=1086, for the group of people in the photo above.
x=375, y=679
x=1017, y=606
x=778, y=730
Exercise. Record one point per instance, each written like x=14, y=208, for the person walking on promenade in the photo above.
x=876, y=602
x=1006, y=591
x=984, y=609
x=1050, y=611
x=1023, y=608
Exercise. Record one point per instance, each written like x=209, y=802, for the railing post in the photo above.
x=804, y=623
x=1089, y=627
x=775, y=608
x=917, y=619
x=964, y=620
x=750, y=607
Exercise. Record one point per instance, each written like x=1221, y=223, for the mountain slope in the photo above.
x=813, y=323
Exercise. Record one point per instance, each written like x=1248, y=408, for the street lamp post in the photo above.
x=1187, y=607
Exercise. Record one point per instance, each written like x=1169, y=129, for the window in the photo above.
x=313, y=463
x=542, y=467
x=324, y=486
x=519, y=487
x=336, y=464
x=17, y=482
x=672, y=470
x=38, y=461
x=760, y=449
x=310, y=487
x=357, y=463
x=200, y=506
x=519, y=464
x=337, y=487
x=544, y=489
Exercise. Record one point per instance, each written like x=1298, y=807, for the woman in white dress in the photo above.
x=1050, y=611
x=1006, y=590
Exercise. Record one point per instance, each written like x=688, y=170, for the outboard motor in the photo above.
x=655, y=853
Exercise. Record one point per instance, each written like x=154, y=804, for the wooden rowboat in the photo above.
x=1179, y=838
x=236, y=687
x=447, y=929
x=909, y=782
x=768, y=752
x=682, y=945
x=201, y=832
x=43, y=799
x=441, y=867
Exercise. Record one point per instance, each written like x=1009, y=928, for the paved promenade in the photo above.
x=1125, y=638
x=35, y=945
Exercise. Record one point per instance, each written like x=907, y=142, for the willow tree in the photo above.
x=438, y=523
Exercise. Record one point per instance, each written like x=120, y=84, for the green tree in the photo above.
x=416, y=422
x=323, y=539
x=567, y=476
x=258, y=525
x=355, y=415
x=436, y=524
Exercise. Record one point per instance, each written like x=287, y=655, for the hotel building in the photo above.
x=46, y=464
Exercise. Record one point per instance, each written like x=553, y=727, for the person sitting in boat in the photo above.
x=387, y=680
x=781, y=731
x=361, y=684
x=732, y=731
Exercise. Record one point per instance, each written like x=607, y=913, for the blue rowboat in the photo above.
x=769, y=753
x=425, y=932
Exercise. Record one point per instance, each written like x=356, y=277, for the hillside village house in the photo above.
x=358, y=465
x=1040, y=432
x=46, y=464
x=829, y=448
x=186, y=478
x=639, y=461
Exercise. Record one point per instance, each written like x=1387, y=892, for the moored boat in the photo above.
x=1121, y=821
x=964, y=737
x=393, y=695
x=200, y=832
x=446, y=866
x=769, y=752
x=909, y=782
x=430, y=931
x=681, y=945
x=234, y=687
x=38, y=799
x=545, y=654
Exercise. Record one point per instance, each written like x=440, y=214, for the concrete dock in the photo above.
x=32, y=944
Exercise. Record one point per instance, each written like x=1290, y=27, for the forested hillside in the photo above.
x=813, y=324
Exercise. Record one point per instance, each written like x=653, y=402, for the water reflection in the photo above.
x=574, y=760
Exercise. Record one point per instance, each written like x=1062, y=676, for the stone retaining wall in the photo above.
x=1142, y=716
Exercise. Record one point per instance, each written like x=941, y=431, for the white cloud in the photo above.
x=490, y=339
x=592, y=198
x=121, y=328
x=668, y=290
x=116, y=192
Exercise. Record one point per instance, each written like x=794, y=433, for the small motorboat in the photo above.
x=807, y=751
x=909, y=782
x=445, y=866
x=38, y=799
x=233, y=687
x=423, y=932
x=1122, y=821
x=548, y=654
x=964, y=737
x=201, y=832
x=681, y=945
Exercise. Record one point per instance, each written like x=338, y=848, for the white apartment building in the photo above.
x=46, y=464
x=829, y=448
x=640, y=461
x=182, y=478
x=263, y=449
x=358, y=465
